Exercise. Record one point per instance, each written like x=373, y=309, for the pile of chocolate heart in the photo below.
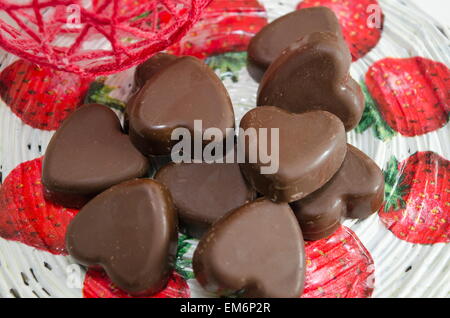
x=251, y=225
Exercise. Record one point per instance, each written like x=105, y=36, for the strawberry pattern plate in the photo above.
x=400, y=58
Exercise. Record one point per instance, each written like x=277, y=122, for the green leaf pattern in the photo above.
x=372, y=118
x=186, y=248
x=228, y=65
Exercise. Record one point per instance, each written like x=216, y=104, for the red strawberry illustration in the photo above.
x=412, y=95
x=417, y=207
x=41, y=96
x=222, y=35
x=98, y=285
x=353, y=17
x=25, y=215
x=226, y=26
x=338, y=267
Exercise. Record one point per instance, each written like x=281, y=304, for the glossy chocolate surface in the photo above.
x=149, y=68
x=268, y=43
x=88, y=154
x=130, y=230
x=182, y=92
x=203, y=193
x=143, y=73
x=356, y=191
x=255, y=251
x=312, y=147
x=313, y=74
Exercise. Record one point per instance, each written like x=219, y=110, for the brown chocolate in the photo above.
x=180, y=93
x=256, y=250
x=268, y=43
x=143, y=73
x=130, y=231
x=356, y=191
x=313, y=74
x=88, y=154
x=149, y=68
x=203, y=193
x=312, y=147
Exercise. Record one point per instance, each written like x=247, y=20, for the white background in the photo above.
x=439, y=9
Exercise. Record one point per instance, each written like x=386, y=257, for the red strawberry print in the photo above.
x=412, y=95
x=338, y=267
x=417, y=207
x=98, y=285
x=353, y=17
x=25, y=215
x=41, y=96
x=226, y=26
x=222, y=35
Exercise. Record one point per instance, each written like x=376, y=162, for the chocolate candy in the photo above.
x=180, y=93
x=130, y=231
x=268, y=43
x=312, y=147
x=355, y=191
x=143, y=73
x=203, y=193
x=255, y=251
x=88, y=154
x=313, y=74
x=153, y=65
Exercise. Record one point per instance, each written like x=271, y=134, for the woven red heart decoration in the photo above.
x=94, y=37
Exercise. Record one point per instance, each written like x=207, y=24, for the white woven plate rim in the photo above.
x=402, y=269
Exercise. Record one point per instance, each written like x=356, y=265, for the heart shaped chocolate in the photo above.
x=143, y=73
x=203, y=192
x=311, y=148
x=88, y=154
x=184, y=91
x=355, y=191
x=313, y=74
x=150, y=67
x=129, y=230
x=255, y=251
x=271, y=40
